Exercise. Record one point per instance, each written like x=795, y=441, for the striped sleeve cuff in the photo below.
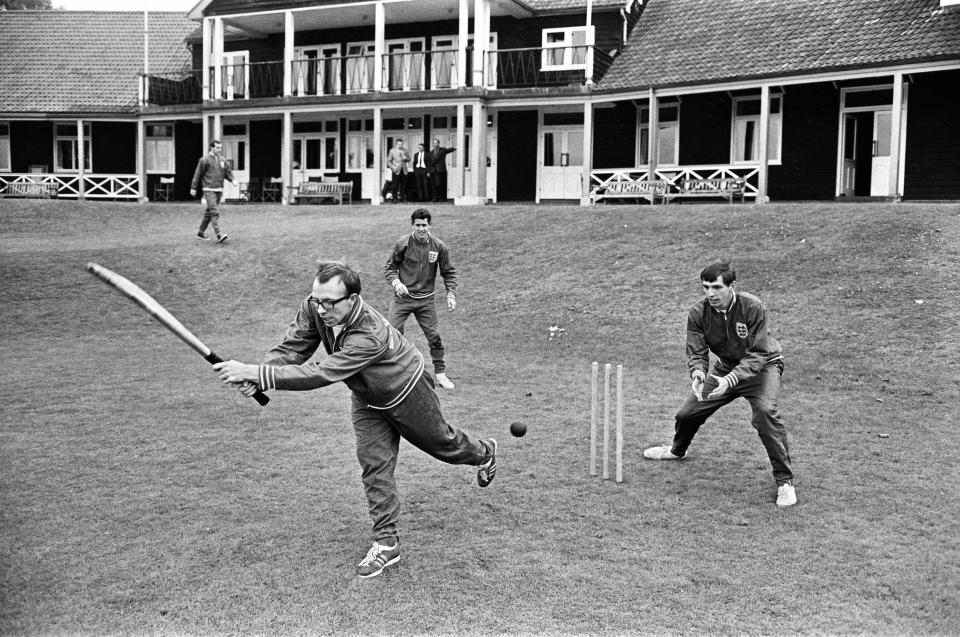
x=268, y=377
x=731, y=379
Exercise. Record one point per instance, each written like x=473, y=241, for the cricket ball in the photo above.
x=518, y=429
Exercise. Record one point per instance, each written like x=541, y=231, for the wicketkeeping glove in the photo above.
x=697, y=384
x=724, y=383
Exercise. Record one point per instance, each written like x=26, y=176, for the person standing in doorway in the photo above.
x=437, y=165
x=412, y=271
x=211, y=170
x=397, y=159
x=420, y=174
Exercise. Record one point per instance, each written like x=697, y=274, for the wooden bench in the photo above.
x=649, y=190
x=29, y=189
x=322, y=190
x=723, y=187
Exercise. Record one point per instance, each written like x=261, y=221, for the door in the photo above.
x=880, y=164
x=317, y=70
x=405, y=65
x=561, y=162
x=236, y=79
x=848, y=173
x=236, y=152
x=359, y=67
x=443, y=62
x=360, y=155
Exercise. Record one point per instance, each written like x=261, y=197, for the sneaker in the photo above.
x=786, y=495
x=488, y=470
x=202, y=236
x=379, y=557
x=661, y=453
x=222, y=238
x=444, y=382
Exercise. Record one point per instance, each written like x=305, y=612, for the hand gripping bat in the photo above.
x=157, y=311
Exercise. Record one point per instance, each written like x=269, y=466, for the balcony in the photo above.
x=536, y=67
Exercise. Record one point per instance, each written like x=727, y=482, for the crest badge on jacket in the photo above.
x=742, y=330
x=432, y=256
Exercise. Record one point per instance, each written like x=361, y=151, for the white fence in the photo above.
x=93, y=186
x=620, y=178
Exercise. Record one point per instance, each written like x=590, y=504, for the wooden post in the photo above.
x=896, y=131
x=288, y=34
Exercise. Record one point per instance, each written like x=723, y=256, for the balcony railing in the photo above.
x=401, y=71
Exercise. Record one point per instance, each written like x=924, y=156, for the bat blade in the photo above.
x=136, y=294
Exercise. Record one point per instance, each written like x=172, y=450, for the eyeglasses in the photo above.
x=328, y=304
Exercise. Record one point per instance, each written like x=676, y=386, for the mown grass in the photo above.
x=139, y=496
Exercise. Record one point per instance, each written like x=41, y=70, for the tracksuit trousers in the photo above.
x=418, y=420
x=763, y=393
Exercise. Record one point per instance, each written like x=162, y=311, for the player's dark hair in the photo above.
x=327, y=270
x=214, y=143
x=421, y=213
x=721, y=269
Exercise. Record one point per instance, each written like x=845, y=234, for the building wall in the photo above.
x=615, y=136
x=517, y=155
x=808, y=167
x=31, y=143
x=114, y=147
x=932, y=162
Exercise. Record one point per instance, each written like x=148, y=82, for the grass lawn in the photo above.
x=139, y=496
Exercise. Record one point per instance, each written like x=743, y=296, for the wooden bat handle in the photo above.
x=259, y=396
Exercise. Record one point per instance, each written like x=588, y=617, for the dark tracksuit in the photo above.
x=210, y=173
x=392, y=398
x=416, y=265
x=751, y=359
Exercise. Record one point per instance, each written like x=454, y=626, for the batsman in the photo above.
x=392, y=397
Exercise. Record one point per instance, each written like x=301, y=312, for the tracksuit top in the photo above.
x=737, y=337
x=416, y=265
x=210, y=173
x=369, y=356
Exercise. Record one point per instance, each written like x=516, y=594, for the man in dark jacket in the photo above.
x=210, y=173
x=392, y=397
x=437, y=167
x=733, y=326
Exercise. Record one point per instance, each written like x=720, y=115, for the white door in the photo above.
x=561, y=162
x=360, y=156
x=236, y=152
x=359, y=67
x=443, y=62
x=491, y=166
x=880, y=166
x=317, y=71
x=849, y=169
x=236, y=79
x=405, y=68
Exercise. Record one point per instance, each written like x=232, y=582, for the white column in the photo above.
x=896, y=131
x=377, y=155
x=288, y=31
x=379, y=48
x=81, y=160
x=205, y=63
x=286, y=155
x=591, y=39
x=217, y=60
x=205, y=124
x=478, y=154
x=217, y=132
x=764, y=144
x=141, y=160
x=586, y=182
x=481, y=39
x=463, y=35
x=653, y=135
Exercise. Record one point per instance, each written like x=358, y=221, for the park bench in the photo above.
x=322, y=190
x=723, y=187
x=29, y=189
x=649, y=190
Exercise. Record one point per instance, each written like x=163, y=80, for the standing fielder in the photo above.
x=391, y=396
x=412, y=271
x=732, y=325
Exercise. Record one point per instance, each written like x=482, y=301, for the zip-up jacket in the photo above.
x=737, y=337
x=416, y=264
x=210, y=173
x=368, y=355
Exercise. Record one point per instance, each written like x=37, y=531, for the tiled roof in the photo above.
x=84, y=61
x=689, y=42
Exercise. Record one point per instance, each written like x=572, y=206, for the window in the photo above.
x=359, y=144
x=564, y=48
x=316, y=146
x=160, y=148
x=66, y=153
x=4, y=147
x=668, y=134
x=746, y=129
